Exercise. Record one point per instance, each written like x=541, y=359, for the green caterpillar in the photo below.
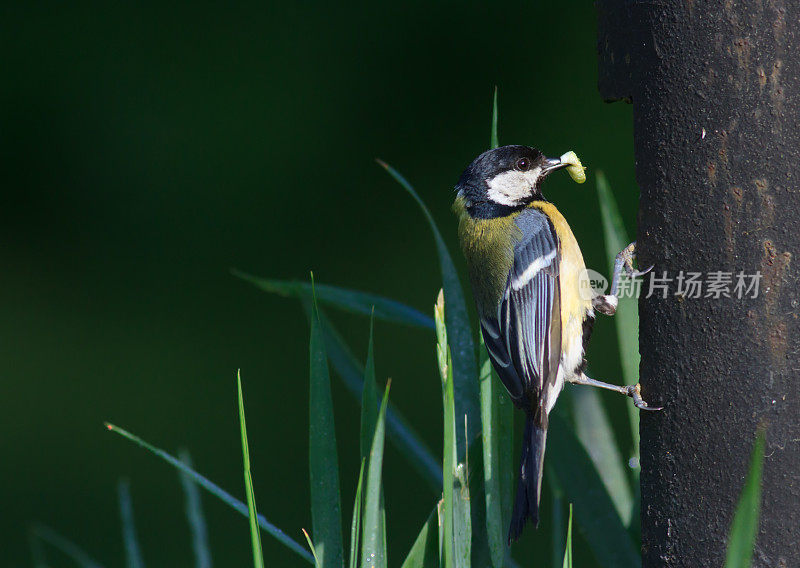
x=575, y=170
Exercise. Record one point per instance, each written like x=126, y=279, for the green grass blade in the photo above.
x=194, y=515
x=369, y=398
x=350, y=300
x=311, y=548
x=594, y=430
x=323, y=459
x=495, y=143
x=449, y=448
x=424, y=552
x=133, y=553
x=255, y=534
x=64, y=545
x=400, y=432
x=462, y=346
x=463, y=514
x=215, y=490
x=568, y=550
x=744, y=528
x=373, y=549
x=497, y=422
x=355, y=526
x=595, y=514
x=626, y=319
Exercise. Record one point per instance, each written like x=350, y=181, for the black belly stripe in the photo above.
x=588, y=326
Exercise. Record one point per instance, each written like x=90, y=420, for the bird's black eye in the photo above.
x=523, y=164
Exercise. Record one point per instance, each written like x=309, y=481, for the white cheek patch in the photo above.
x=513, y=187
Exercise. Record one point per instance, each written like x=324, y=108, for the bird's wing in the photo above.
x=525, y=339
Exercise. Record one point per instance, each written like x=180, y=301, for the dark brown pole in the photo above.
x=715, y=90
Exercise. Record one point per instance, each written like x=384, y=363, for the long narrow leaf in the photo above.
x=495, y=142
x=64, y=545
x=373, y=550
x=355, y=526
x=350, y=300
x=594, y=430
x=255, y=534
x=194, y=515
x=215, y=490
x=744, y=529
x=133, y=554
x=326, y=510
x=424, y=552
x=447, y=532
x=595, y=513
x=400, y=432
x=465, y=368
x=627, y=316
x=463, y=514
x=490, y=442
x=568, y=550
x=369, y=398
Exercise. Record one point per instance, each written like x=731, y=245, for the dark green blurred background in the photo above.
x=147, y=150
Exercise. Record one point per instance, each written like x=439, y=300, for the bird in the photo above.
x=525, y=269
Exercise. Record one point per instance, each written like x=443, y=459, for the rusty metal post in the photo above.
x=715, y=89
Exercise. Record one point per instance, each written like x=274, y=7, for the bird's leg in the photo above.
x=607, y=304
x=633, y=391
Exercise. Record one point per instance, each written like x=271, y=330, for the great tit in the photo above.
x=525, y=267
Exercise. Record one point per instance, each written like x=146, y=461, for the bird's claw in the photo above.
x=636, y=273
x=628, y=254
x=635, y=392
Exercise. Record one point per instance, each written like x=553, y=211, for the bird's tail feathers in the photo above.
x=529, y=485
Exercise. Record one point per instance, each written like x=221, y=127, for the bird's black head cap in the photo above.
x=503, y=180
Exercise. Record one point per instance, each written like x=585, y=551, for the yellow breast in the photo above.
x=574, y=307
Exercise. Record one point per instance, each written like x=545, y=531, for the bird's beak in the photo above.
x=551, y=165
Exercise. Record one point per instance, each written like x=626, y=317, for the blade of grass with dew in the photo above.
x=215, y=490
x=369, y=397
x=593, y=428
x=65, y=546
x=400, y=432
x=373, y=548
x=744, y=528
x=465, y=368
x=443, y=356
x=626, y=319
x=355, y=526
x=133, y=553
x=596, y=516
x=369, y=415
x=568, y=549
x=255, y=533
x=323, y=459
x=424, y=552
x=194, y=515
x=349, y=300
